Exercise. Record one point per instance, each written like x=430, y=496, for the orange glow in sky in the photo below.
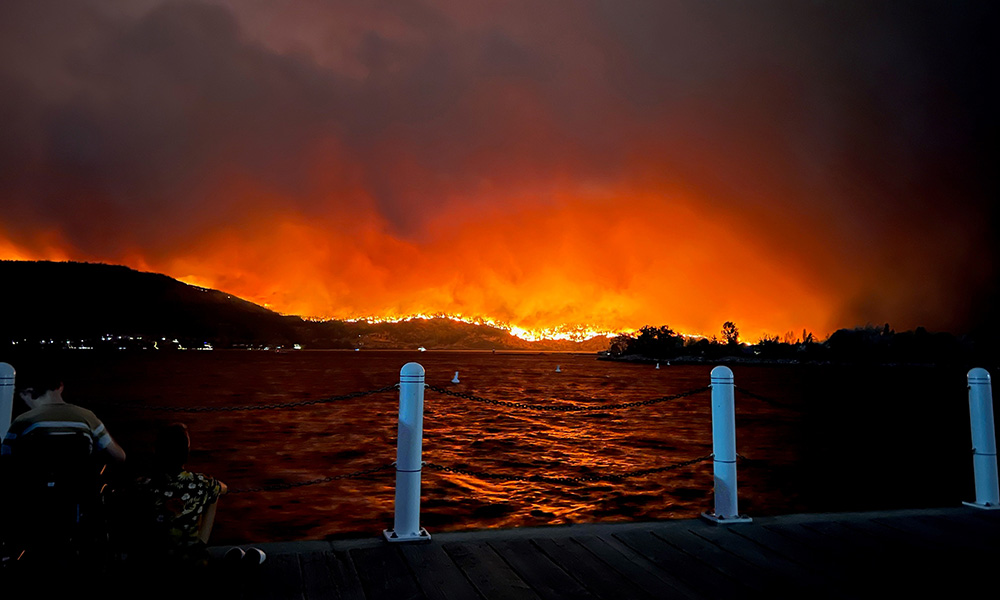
x=595, y=165
x=603, y=264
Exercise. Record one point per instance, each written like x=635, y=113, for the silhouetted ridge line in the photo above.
x=93, y=305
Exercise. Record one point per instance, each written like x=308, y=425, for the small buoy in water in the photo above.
x=455, y=378
x=557, y=369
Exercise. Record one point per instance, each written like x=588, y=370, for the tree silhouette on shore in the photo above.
x=730, y=333
x=868, y=344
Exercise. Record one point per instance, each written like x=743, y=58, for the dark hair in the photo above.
x=39, y=379
x=172, y=447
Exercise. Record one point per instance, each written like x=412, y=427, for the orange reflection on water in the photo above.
x=273, y=447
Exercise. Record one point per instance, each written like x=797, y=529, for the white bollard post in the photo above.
x=724, y=448
x=6, y=397
x=984, y=442
x=406, y=527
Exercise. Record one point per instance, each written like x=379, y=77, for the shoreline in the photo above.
x=688, y=360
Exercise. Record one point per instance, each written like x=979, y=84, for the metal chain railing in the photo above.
x=576, y=479
x=481, y=474
x=269, y=406
x=461, y=471
x=288, y=486
x=565, y=407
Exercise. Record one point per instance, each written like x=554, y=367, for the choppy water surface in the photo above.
x=835, y=449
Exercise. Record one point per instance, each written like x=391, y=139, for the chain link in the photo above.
x=288, y=486
x=273, y=405
x=456, y=470
x=565, y=407
x=577, y=479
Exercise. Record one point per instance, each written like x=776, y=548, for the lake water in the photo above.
x=850, y=438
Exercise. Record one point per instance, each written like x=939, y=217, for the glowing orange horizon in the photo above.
x=568, y=269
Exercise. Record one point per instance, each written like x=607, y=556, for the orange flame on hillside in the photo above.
x=569, y=269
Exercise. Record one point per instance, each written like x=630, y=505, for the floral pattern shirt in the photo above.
x=177, y=503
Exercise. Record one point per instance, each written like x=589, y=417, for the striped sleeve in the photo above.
x=102, y=439
x=98, y=433
x=57, y=420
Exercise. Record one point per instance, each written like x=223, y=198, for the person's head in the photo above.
x=173, y=444
x=37, y=381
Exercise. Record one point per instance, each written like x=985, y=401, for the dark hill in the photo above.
x=83, y=301
x=72, y=300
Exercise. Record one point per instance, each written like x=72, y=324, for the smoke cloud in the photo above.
x=785, y=165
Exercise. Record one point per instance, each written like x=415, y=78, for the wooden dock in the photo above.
x=944, y=553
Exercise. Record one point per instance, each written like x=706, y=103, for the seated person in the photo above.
x=174, y=508
x=53, y=454
x=51, y=416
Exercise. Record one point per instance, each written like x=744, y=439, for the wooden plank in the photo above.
x=384, y=574
x=789, y=575
x=490, y=575
x=908, y=540
x=918, y=566
x=937, y=552
x=788, y=548
x=586, y=568
x=957, y=562
x=323, y=577
x=848, y=560
x=830, y=549
x=941, y=536
x=934, y=553
x=316, y=580
x=727, y=563
x=345, y=576
x=989, y=517
x=849, y=543
x=806, y=550
x=964, y=551
x=436, y=573
x=877, y=560
x=278, y=578
x=890, y=546
x=547, y=578
x=870, y=564
x=980, y=537
x=694, y=573
x=656, y=582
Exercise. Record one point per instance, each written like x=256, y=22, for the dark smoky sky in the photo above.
x=833, y=161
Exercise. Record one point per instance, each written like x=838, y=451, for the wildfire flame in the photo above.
x=574, y=333
x=567, y=270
